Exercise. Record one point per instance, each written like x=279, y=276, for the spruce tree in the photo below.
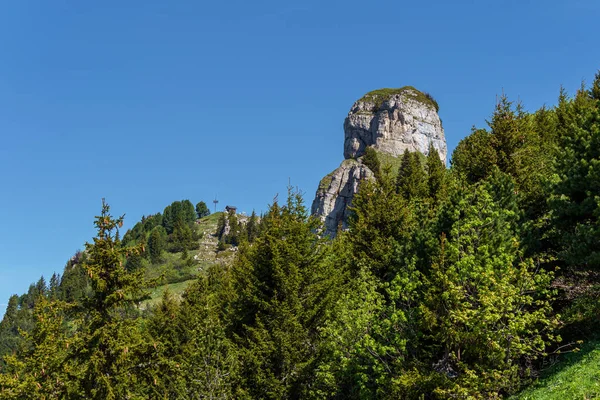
x=282, y=285
x=411, y=182
x=109, y=339
x=474, y=157
x=436, y=176
x=485, y=311
x=42, y=369
x=157, y=243
x=371, y=160
x=202, y=210
x=574, y=202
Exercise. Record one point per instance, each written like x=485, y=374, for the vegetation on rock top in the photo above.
x=379, y=96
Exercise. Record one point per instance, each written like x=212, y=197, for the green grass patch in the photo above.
x=576, y=376
x=156, y=293
x=380, y=95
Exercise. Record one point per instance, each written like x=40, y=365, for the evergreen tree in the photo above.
x=188, y=212
x=371, y=160
x=202, y=210
x=252, y=227
x=42, y=369
x=182, y=238
x=210, y=361
x=283, y=284
x=436, y=176
x=474, y=157
x=157, y=243
x=109, y=339
x=381, y=258
x=54, y=287
x=574, y=202
x=485, y=311
x=165, y=370
x=412, y=180
x=10, y=328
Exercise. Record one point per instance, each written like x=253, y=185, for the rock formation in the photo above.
x=389, y=120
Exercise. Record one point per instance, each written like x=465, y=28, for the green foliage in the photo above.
x=202, y=210
x=486, y=311
x=575, y=377
x=440, y=289
x=41, y=371
x=157, y=243
x=474, y=156
x=252, y=227
x=109, y=339
x=436, y=176
x=411, y=182
x=178, y=213
x=182, y=238
x=282, y=285
x=371, y=160
x=381, y=95
x=576, y=186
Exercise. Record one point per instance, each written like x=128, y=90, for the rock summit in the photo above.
x=390, y=121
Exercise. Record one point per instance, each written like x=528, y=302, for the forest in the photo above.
x=465, y=282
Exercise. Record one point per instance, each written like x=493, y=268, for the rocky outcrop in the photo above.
x=394, y=120
x=389, y=120
x=335, y=193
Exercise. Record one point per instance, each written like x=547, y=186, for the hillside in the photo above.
x=176, y=277
x=576, y=376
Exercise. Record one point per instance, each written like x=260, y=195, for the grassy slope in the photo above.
x=577, y=376
x=175, y=275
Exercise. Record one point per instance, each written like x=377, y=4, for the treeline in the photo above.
x=231, y=231
x=172, y=231
x=448, y=284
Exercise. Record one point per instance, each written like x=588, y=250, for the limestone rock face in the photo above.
x=389, y=120
x=335, y=193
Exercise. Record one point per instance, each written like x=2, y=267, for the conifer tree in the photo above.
x=283, y=285
x=42, y=369
x=157, y=243
x=412, y=180
x=574, y=202
x=485, y=311
x=202, y=210
x=371, y=160
x=109, y=339
x=474, y=157
x=252, y=227
x=436, y=176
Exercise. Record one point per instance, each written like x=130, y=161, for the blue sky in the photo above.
x=147, y=102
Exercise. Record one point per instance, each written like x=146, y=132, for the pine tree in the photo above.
x=182, y=238
x=54, y=287
x=574, y=202
x=157, y=243
x=42, y=369
x=436, y=176
x=485, y=311
x=188, y=212
x=412, y=180
x=371, y=160
x=109, y=339
x=474, y=157
x=252, y=227
x=283, y=285
x=202, y=210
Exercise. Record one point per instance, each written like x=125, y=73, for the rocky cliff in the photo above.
x=389, y=120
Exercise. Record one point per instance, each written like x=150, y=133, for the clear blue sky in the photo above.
x=147, y=102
